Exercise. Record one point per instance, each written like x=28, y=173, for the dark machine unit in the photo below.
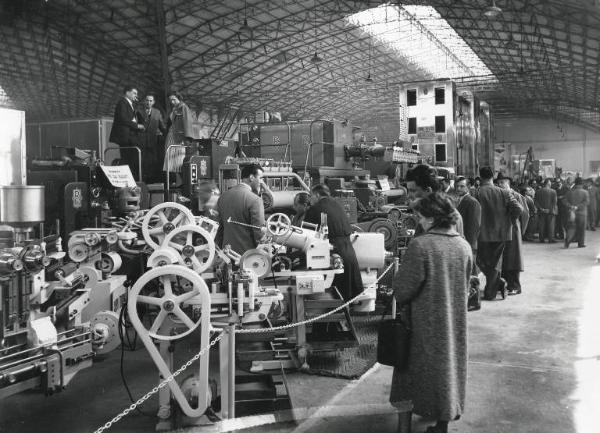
x=307, y=144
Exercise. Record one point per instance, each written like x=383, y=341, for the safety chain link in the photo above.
x=311, y=320
x=162, y=384
x=197, y=356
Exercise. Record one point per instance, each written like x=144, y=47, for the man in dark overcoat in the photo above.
x=350, y=282
x=498, y=211
x=547, y=205
x=126, y=127
x=512, y=257
x=577, y=200
x=470, y=211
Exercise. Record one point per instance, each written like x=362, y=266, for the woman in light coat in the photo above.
x=180, y=131
x=434, y=281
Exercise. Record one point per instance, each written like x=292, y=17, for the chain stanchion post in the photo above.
x=396, y=269
x=231, y=370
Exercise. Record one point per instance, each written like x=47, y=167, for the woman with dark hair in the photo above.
x=180, y=131
x=433, y=280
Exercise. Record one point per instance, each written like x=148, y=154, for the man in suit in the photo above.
x=577, y=200
x=546, y=202
x=512, y=258
x=126, y=127
x=152, y=140
x=242, y=204
x=470, y=211
x=350, y=282
x=498, y=211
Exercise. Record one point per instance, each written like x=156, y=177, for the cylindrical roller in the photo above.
x=369, y=249
x=109, y=262
x=298, y=238
x=93, y=275
x=21, y=206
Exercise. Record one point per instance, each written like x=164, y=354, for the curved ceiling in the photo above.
x=70, y=58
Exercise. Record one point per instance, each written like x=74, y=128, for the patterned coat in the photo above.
x=434, y=278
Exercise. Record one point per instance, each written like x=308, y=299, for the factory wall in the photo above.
x=578, y=150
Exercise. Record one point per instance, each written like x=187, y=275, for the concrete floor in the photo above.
x=534, y=367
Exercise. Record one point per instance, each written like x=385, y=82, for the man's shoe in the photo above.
x=593, y=229
x=581, y=246
x=552, y=241
x=512, y=292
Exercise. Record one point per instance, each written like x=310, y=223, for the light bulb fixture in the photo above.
x=315, y=58
x=245, y=29
x=492, y=11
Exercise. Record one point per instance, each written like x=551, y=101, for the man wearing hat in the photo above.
x=512, y=257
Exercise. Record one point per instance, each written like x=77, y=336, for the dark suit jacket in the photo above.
x=337, y=221
x=498, y=211
x=240, y=204
x=579, y=198
x=124, y=130
x=546, y=201
x=470, y=211
x=154, y=124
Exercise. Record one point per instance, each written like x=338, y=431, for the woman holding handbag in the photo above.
x=434, y=280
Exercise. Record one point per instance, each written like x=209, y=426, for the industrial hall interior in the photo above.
x=272, y=216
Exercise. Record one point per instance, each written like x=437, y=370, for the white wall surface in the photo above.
x=573, y=152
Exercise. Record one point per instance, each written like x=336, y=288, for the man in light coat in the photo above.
x=242, y=204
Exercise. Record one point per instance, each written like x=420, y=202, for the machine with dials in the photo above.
x=193, y=284
x=55, y=314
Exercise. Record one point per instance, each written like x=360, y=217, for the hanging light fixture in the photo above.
x=369, y=79
x=245, y=29
x=492, y=11
x=315, y=58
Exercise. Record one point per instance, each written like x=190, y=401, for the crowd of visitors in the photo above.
x=475, y=225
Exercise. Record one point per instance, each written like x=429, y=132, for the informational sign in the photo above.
x=119, y=176
x=383, y=183
x=426, y=132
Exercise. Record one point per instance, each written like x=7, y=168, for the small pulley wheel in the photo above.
x=279, y=224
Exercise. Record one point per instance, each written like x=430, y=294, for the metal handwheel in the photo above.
x=196, y=246
x=279, y=224
x=162, y=219
x=177, y=285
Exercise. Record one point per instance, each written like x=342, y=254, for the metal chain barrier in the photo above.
x=162, y=384
x=197, y=356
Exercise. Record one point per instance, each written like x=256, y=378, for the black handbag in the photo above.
x=393, y=342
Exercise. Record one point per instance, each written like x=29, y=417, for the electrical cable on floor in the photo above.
x=122, y=328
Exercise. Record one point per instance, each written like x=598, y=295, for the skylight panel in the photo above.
x=421, y=36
